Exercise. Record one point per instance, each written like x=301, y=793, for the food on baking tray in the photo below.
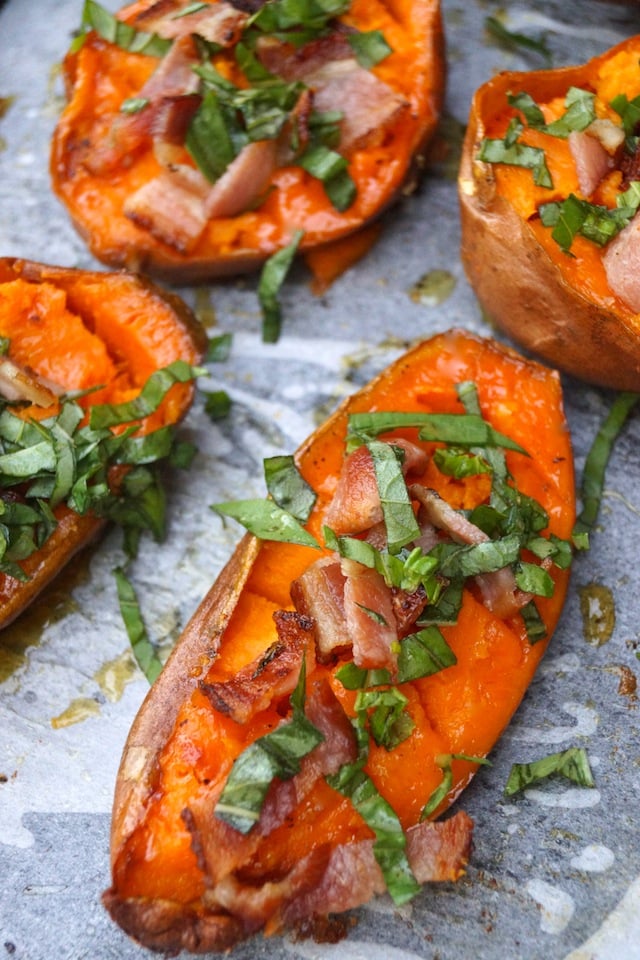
x=549, y=191
x=95, y=369
x=198, y=138
x=356, y=660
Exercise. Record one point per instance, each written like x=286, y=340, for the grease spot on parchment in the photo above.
x=556, y=906
x=78, y=710
x=598, y=611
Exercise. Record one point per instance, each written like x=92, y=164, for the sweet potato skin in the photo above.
x=145, y=303
x=238, y=244
x=162, y=923
x=519, y=285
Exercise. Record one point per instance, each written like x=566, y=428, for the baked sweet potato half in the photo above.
x=199, y=139
x=79, y=347
x=346, y=674
x=549, y=191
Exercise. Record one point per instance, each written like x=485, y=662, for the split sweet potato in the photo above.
x=548, y=192
x=101, y=335
x=196, y=864
x=201, y=153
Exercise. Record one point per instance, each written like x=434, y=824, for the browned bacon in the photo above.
x=621, y=260
x=319, y=594
x=591, y=160
x=219, y=23
x=244, y=181
x=371, y=623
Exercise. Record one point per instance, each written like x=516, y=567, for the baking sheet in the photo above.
x=555, y=873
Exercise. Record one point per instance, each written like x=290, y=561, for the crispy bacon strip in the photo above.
x=621, y=260
x=219, y=23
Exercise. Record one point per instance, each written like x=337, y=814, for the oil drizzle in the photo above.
x=597, y=607
x=78, y=710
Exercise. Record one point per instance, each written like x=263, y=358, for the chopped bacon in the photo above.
x=371, y=622
x=436, y=851
x=171, y=208
x=407, y=607
x=244, y=181
x=20, y=383
x=621, y=260
x=591, y=160
x=219, y=23
x=498, y=589
x=328, y=67
x=319, y=594
x=356, y=506
x=272, y=676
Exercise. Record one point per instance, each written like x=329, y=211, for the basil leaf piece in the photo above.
x=457, y=429
x=273, y=275
x=595, y=465
x=331, y=169
x=580, y=113
x=217, y=404
x=288, y=488
x=459, y=462
x=516, y=154
x=134, y=104
x=422, y=654
x=468, y=560
x=399, y=518
x=282, y=15
x=533, y=622
x=358, y=678
x=574, y=216
x=369, y=47
x=443, y=788
x=276, y=754
x=405, y=570
x=143, y=650
x=148, y=400
x=510, y=38
x=534, y=579
x=96, y=17
x=208, y=141
x=266, y=520
x=628, y=111
x=573, y=764
x=390, y=843
x=446, y=609
x=386, y=716
x=219, y=348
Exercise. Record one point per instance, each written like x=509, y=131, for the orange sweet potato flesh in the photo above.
x=81, y=329
x=100, y=76
x=558, y=306
x=180, y=746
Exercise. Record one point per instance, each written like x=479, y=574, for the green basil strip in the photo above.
x=573, y=764
x=390, y=843
x=23, y=464
x=533, y=622
x=443, y=788
x=273, y=275
x=219, y=348
x=458, y=429
x=534, y=579
x=469, y=560
x=399, y=518
x=387, y=717
x=288, y=488
x=459, y=463
x=208, y=140
x=149, y=398
x=574, y=216
x=628, y=111
x=510, y=39
x=143, y=649
x=595, y=466
x=358, y=678
x=266, y=520
x=282, y=15
x=331, y=169
x=422, y=654
x=276, y=754
x=96, y=17
x=370, y=48
x=217, y=404
x=407, y=571
x=579, y=115
x=134, y=104
x=446, y=609
x=517, y=155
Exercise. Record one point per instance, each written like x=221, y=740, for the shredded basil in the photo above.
x=217, y=404
x=512, y=153
x=443, y=788
x=288, y=488
x=276, y=754
x=96, y=17
x=386, y=715
x=573, y=216
x=511, y=38
x=579, y=114
x=422, y=654
x=147, y=402
x=219, y=348
x=266, y=520
x=595, y=465
x=143, y=650
x=458, y=429
x=370, y=48
x=399, y=518
x=331, y=168
x=390, y=843
x=273, y=275
x=573, y=764
x=314, y=16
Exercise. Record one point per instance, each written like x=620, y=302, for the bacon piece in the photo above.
x=328, y=67
x=170, y=207
x=356, y=506
x=244, y=181
x=19, y=383
x=371, y=623
x=436, y=851
x=272, y=676
x=591, y=160
x=319, y=594
x=621, y=260
x=219, y=23
x=498, y=589
x=407, y=607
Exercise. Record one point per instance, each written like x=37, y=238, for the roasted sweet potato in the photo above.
x=64, y=331
x=203, y=153
x=549, y=188
x=325, y=705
